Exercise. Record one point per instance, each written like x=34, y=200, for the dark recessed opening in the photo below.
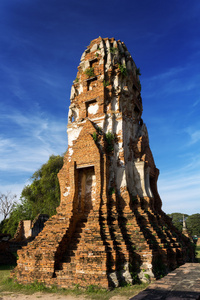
x=136, y=109
x=90, y=82
x=93, y=61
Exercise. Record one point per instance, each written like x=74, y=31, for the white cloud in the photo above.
x=180, y=189
x=14, y=188
x=24, y=150
x=174, y=80
x=194, y=135
x=37, y=137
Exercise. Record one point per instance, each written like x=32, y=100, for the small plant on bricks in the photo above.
x=89, y=72
x=123, y=70
x=138, y=72
x=109, y=137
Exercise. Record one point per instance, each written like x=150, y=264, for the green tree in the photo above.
x=177, y=220
x=41, y=196
x=193, y=224
x=44, y=192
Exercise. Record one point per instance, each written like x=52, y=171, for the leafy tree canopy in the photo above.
x=42, y=196
x=43, y=193
x=177, y=220
x=192, y=222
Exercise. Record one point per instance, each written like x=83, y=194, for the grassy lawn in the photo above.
x=198, y=253
x=92, y=292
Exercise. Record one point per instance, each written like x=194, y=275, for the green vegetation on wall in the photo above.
x=89, y=72
x=109, y=137
x=138, y=72
x=123, y=70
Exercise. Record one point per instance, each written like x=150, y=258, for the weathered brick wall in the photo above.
x=109, y=227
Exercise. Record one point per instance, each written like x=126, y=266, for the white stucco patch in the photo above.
x=73, y=134
x=92, y=109
x=121, y=177
x=120, y=146
x=116, y=82
x=114, y=278
x=70, y=150
x=101, y=46
x=123, y=61
x=100, y=124
x=85, y=64
x=94, y=48
x=67, y=192
x=142, y=179
x=108, y=125
x=73, y=93
x=114, y=104
x=119, y=126
x=147, y=182
x=101, y=62
x=80, y=88
x=101, y=77
x=83, y=56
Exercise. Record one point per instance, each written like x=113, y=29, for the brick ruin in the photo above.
x=28, y=229
x=109, y=227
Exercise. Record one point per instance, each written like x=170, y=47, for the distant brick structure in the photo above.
x=185, y=230
x=28, y=229
x=109, y=227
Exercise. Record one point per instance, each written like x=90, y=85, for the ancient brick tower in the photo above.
x=109, y=227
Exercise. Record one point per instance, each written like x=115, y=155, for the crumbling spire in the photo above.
x=109, y=227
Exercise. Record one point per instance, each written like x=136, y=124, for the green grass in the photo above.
x=198, y=253
x=92, y=292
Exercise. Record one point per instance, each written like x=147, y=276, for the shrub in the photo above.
x=123, y=70
x=138, y=71
x=89, y=72
x=106, y=83
x=99, y=130
x=94, y=135
x=111, y=191
x=113, y=50
x=109, y=137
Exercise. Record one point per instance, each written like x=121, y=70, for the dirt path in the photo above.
x=44, y=296
x=37, y=296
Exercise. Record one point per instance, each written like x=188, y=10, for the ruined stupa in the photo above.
x=109, y=228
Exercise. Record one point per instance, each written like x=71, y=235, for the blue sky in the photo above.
x=40, y=49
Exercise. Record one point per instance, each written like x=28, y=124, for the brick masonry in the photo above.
x=109, y=227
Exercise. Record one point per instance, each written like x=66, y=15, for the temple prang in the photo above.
x=109, y=227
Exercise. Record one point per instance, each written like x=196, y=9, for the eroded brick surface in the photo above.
x=109, y=227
